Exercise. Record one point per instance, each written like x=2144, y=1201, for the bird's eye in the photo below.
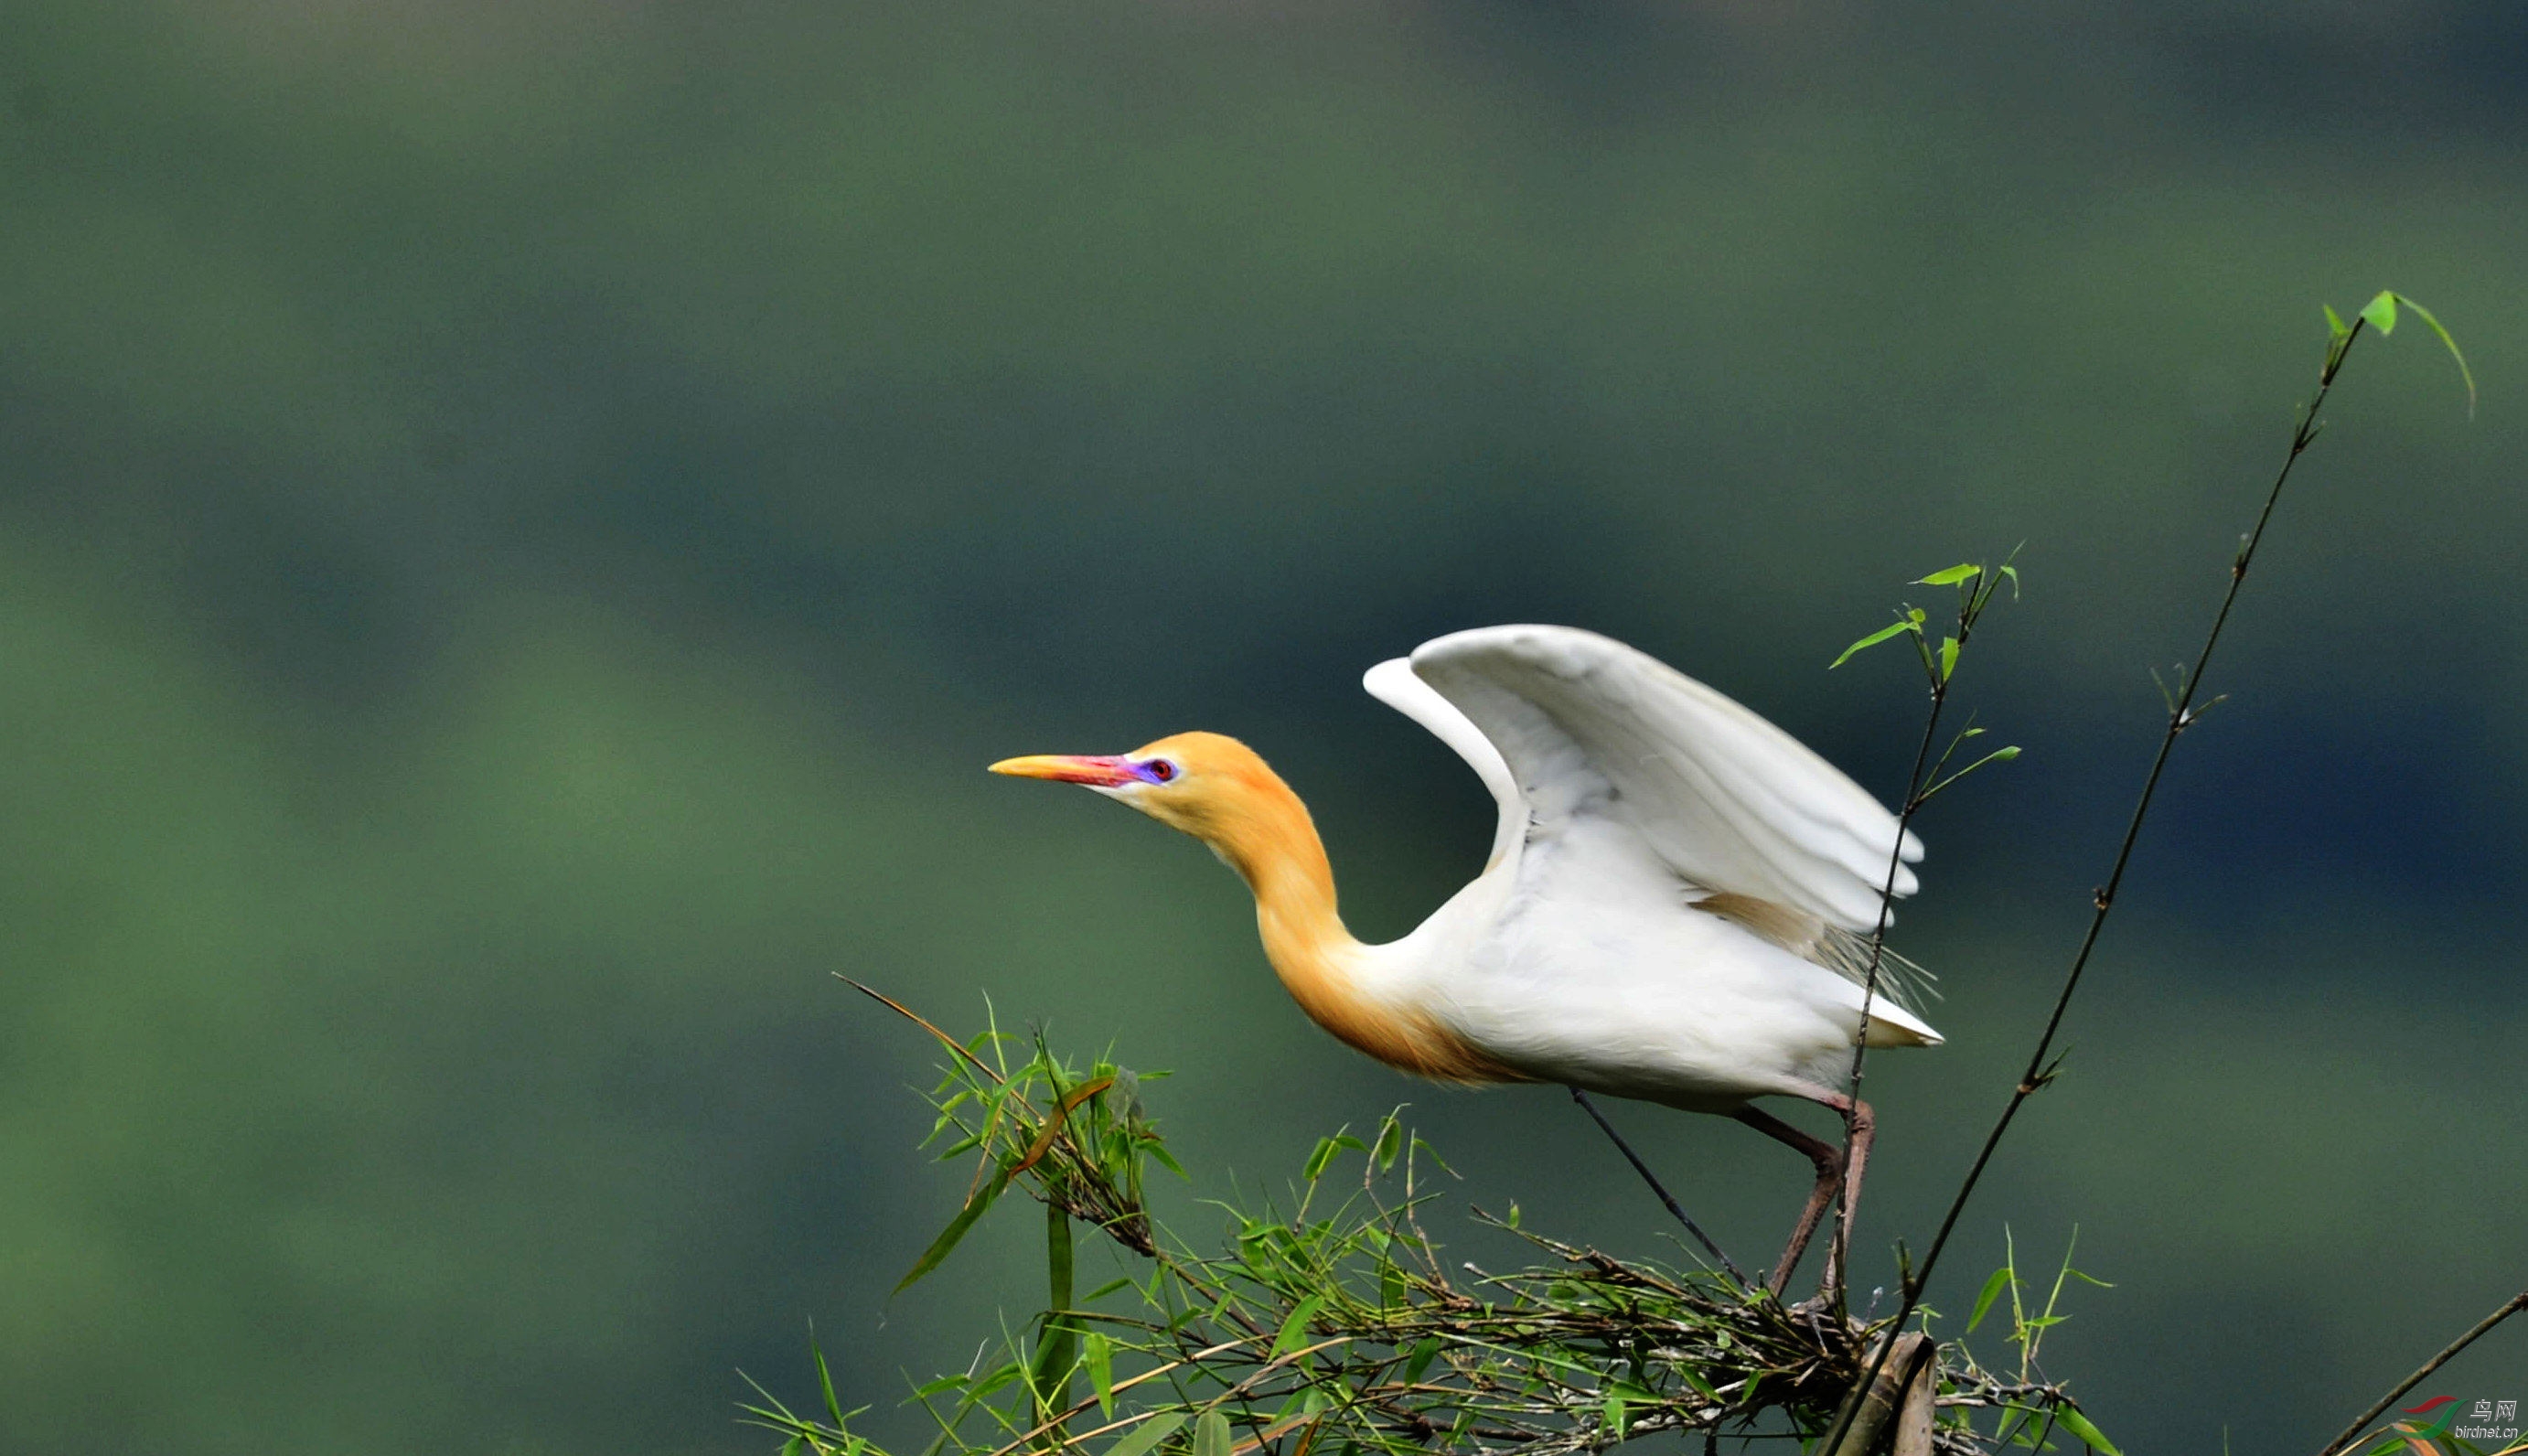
x=1161, y=769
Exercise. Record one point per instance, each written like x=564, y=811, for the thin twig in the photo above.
x=1977, y=593
x=1644, y=1169
x=917, y=1018
x=2180, y=717
x=1839, y=1243
x=2514, y=1305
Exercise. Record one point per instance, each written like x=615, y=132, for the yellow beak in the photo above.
x=1103, y=772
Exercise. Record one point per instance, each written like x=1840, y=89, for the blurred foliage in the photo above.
x=521, y=523
x=1336, y=1325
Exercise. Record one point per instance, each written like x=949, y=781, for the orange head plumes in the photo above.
x=1219, y=790
x=1212, y=787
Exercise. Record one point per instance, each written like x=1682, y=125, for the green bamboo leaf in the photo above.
x=795, y=1445
x=1615, y=1414
x=1391, y=1141
x=1951, y=576
x=1422, y=1149
x=1874, y=639
x=1318, y=1160
x=1101, y=1371
x=2448, y=344
x=1211, y=1434
x=1294, y=1329
x=1992, y=1289
x=2379, y=313
x=947, y=1240
x=2071, y=1419
x=1997, y=756
x=1148, y=1434
x=1419, y=1363
x=825, y=1378
x=1948, y=658
x=2335, y=324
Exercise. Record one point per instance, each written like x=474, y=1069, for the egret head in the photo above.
x=1212, y=787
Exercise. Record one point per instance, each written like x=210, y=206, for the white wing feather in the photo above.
x=1393, y=683
x=1589, y=728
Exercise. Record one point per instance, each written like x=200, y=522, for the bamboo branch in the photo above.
x=2353, y=1432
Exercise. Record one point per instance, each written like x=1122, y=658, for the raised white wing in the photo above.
x=1589, y=727
x=1393, y=683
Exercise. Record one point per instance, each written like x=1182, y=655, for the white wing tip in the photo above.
x=1378, y=680
x=1894, y=1027
x=1550, y=645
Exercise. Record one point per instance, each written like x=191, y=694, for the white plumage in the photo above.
x=1630, y=797
x=1675, y=907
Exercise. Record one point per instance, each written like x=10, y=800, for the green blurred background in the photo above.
x=524, y=521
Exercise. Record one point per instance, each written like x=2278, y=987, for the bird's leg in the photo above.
x=1828, y=1161
x=1644, y=1169
x=1863, y=1123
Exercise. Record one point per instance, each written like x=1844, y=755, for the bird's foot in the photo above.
x=1822, y=1312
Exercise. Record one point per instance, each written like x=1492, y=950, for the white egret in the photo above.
x=1675, y=908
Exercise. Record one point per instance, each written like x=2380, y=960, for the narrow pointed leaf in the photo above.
x=2335, y=324
x=1872, y=641
x=1211, y=1434
x=1294, y=1329
x=825, y=1378
x=946, y=1242
x=1101, y=1371
x=1997, y=756
x=2071, y=1419
x=1948, y=658
x=1951, y=576
x=1992, y=1289
x=1148, y=1434
x=1053, y=1125
x=2448, y=344
x=1702, y=1387
x=1420, y=1363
